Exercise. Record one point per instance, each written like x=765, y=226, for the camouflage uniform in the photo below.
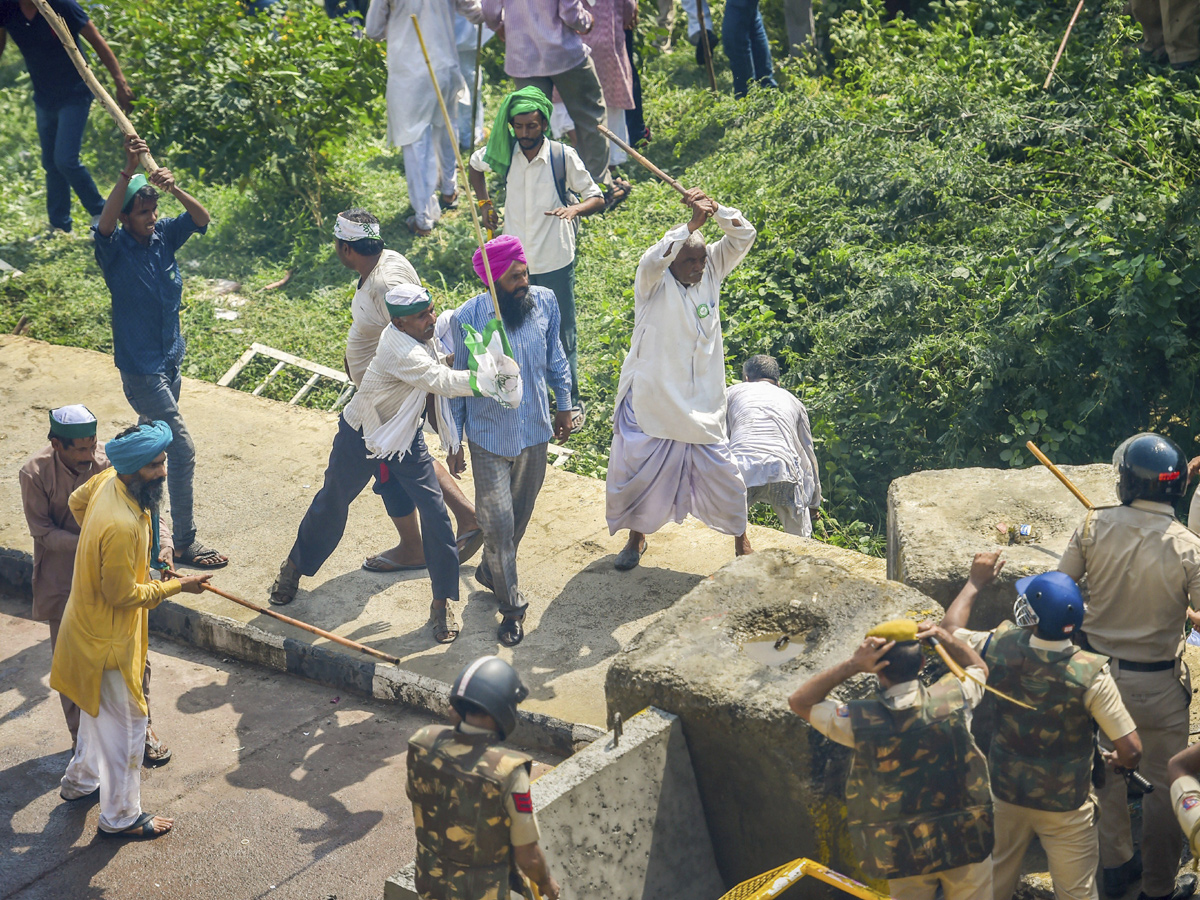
x=458, y=784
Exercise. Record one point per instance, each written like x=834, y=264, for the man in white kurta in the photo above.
x=670, y=455
x=415, y=122
x=772, y=443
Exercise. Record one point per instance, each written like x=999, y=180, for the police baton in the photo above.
x=962, y=674
x=1059, y=474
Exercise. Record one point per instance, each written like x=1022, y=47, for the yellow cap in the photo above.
x=896, y=630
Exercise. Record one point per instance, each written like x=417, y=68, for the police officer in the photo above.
x=920, y=812
x=1185, y=793
x=471, y=805
x=1143, y=571
x=1041, y=759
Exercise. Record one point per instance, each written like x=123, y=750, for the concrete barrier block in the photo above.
x=621, y=820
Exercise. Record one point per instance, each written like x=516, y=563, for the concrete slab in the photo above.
x=279, y=787
x=938, y=521
x=621, y=819
x=260, y=461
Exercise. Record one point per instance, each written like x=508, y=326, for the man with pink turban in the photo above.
x=508, y=446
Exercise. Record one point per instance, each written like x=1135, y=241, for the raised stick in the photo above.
x=90, y=79
x=487, y=267
x=712, y=77
x=1059, y=474
x=478, y=75
x=962, y=674
x=641, y=159
x=1063, y=45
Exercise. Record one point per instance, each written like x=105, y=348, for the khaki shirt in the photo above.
x=524, y=827
x=832, y=719
x=1143, y=571
x=1185, y=800
x=1102, y=698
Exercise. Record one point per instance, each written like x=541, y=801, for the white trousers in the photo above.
x=108, y=755
x=428, y=169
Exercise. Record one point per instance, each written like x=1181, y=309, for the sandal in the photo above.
x=469, y=544
x=156, y=753
x=380, y=563
x=198, y=556
x=511, y=632
x=287, y=582
x=578, y=417
x=446, y=626
x=145, y=825
x=411, y=223
x=617, y=193
x=448, y=201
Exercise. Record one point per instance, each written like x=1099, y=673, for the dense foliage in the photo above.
x=950, y=259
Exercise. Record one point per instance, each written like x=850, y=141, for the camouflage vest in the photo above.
x=458, y=784
x=1041, y=758
x=917, y=795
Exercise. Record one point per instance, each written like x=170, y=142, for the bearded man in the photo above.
x=101, y=652
x=508, y=446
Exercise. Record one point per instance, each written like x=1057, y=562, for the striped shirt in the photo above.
x=539, y=352
x=541, y=36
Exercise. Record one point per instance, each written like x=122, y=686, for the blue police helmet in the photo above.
x=1050, y=601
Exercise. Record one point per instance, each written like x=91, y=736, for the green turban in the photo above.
x=499, y=150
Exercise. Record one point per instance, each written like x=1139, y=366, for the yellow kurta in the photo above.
x=106, y=622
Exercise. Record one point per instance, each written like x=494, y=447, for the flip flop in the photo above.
x=446, y=626
x=469, y=544
x=197, y=556
x=145, y=822
x=156, y=753
x=386, y=565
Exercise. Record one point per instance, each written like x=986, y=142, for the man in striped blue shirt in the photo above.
x=508, y=446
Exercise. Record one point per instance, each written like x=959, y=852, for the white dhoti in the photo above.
x=781, y=497
x=654, y=480
x=108, y=755
x=429, y=169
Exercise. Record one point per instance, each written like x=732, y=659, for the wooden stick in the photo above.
x=478, y=78
x=329, y=636
x=962, y=674
x=712, y=77
x=641, y=159
x=487, y=267
x=89, y=78
x=1063, y=45
x=1059, y=474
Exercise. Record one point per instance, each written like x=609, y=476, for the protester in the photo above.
x=382, y=422
x=100, y=657
x=61, y=99
x=415, y=121
x=541, y=183
x=144, y=279
x=772, y=443
x=745, y=40
x=508, y=446
x=919, y=810
x=635, y=120
x=47, y=480
x=465, y=35
x=360, y=249
x=614, y=68
x=670, y=455
x=543, y=48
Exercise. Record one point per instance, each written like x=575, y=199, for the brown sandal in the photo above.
x=446, y=626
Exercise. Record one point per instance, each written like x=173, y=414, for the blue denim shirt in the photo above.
x=146, y=288
x=538, y=350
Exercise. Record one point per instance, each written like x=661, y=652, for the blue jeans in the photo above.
x=562, y=282
x=745, y=40
x=60, y=132
x=156, y=397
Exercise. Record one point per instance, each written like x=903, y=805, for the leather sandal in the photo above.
x=446, y=626
x=287, y=582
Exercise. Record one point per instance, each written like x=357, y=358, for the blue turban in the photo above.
x=138, y=448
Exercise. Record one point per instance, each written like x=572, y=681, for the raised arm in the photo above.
x=867, y=658
x=658, y=259
x=92, y=35
x=960, y=651
x=731, y=249
x=162, y=178
x=984, y=570
x=116, y=197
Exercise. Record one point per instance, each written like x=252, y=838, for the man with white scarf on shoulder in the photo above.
x=383, y=422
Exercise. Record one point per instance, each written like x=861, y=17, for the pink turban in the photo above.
x=502, y=252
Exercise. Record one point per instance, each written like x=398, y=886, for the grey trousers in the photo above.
x=584, y=99
x=506, y=488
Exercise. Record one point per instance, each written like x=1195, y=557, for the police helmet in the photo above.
x=1150, y=467
x=492, y=686
x=1050, y=601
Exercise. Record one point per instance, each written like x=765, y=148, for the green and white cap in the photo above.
x=136, y=183
x=72, y=422
x=407, y=300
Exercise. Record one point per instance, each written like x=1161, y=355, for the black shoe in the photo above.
x=1184, y=888
x=1118, y=878
x=512, y=631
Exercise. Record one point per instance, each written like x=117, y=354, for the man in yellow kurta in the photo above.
x=101, y=649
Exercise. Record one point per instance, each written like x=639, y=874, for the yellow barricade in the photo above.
x=772, y=884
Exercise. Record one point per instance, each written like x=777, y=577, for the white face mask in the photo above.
x=1024, y=612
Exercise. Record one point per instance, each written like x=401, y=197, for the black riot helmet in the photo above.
x=492, y=686
x=1150, y=467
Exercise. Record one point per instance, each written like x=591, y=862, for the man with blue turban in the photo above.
x=101, y=651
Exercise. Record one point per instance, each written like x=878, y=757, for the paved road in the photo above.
x=279, y=787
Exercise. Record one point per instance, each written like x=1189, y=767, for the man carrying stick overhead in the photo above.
x=101, y=651
x=670, y=453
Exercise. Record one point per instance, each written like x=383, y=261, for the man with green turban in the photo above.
x=547, y=190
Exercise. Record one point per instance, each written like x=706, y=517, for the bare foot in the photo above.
x=401, y=555
x=466, y=524
x=741, y=545
x=161, y=826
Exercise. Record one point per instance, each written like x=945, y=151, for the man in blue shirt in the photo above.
x=138, y=262
x=61, y=99
x=508, y=446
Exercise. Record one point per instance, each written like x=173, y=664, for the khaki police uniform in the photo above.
x=1069, y=837
x=1143, y=571
x=966, y=882
x=1185, y=800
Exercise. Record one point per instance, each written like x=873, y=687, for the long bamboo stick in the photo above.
x=478, y=79
x=641, y=159
x=487, y=267
x=1059, y=474
x=90, y=79
x=1062, y=46
x=708, y=62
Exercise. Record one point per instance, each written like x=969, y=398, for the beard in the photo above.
x=515, y=307
x=148, y=494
